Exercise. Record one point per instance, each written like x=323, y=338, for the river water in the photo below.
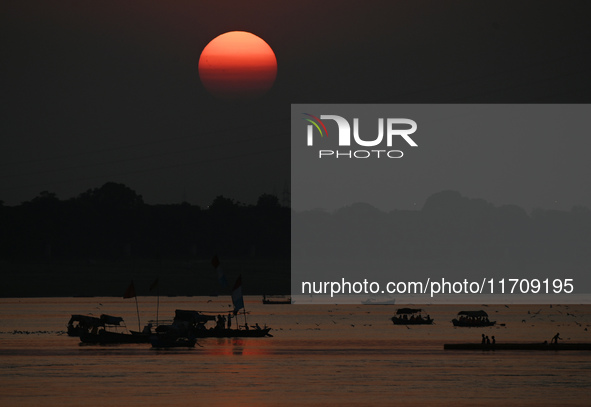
x=346, y=355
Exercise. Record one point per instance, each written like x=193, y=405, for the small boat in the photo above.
x=106, y=333
x=379, y=300
x=472, y=319
x=276, y=299
x=411, y=316
x=194, y=324
x=518, y=346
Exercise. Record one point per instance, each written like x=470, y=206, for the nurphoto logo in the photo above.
x=390, y=127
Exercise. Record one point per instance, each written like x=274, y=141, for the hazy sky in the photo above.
x=94, y=92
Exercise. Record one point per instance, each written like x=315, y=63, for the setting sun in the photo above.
x=237, y=65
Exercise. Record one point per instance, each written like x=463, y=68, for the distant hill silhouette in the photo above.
x=450, y=235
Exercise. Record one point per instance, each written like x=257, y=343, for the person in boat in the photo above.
x=483, y=339
x=229, y=321
x=555, y=338
x=487, y=340
x=220, y=324
x=147, y=329
x=257, y=327
x=494, y=341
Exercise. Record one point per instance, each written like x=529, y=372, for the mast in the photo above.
x=137, y=308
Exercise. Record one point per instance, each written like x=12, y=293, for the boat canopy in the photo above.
x=193, y=317
x=86, y=320
x=110, y=320
x=408, y=311
x=474, y=314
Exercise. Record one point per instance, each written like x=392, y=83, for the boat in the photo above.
x=518, y=346
x=276, y=299
x=379, y=300
x=79, y=324
x=106, y=333
x=196, y=324
x=472, y=319
x=411, y=316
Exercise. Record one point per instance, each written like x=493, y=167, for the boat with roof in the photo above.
x=472, y=319
x=112, y=330
x=202, y=324
x=411, y=316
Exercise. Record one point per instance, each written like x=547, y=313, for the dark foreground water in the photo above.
x=344, y=355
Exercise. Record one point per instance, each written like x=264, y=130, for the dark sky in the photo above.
x=93, y=92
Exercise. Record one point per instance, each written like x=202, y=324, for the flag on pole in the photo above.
x=237, y=298
x=154, y=285
x=130, y=292
x=221, y=275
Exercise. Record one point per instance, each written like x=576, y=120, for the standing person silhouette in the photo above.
x=555, y=338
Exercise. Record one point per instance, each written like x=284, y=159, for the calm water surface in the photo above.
x=320, y=355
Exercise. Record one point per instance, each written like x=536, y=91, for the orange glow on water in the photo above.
x=237, y=65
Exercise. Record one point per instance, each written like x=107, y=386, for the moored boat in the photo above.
x=107, y=333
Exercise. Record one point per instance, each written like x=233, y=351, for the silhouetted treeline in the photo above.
x=113, y=222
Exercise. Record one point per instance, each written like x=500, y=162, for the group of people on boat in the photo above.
x=473, y=319
x=415, y=318
x=221, y=322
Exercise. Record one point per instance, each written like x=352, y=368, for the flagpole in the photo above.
x=157, y=303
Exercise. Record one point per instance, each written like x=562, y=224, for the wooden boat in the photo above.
x=518, y=346
x=411, y=316
x=472, y=319
x=105, y=333
x=276, y=299
x=194, y=324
